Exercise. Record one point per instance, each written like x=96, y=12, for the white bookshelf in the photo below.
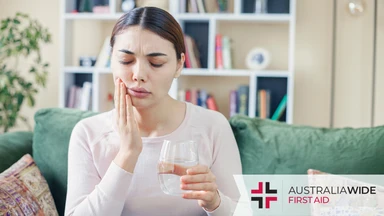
x=69, y=69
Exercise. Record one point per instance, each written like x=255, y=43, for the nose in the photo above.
x=139, y=73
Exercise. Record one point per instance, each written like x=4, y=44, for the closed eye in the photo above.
x=125, y=62
x=156, y=65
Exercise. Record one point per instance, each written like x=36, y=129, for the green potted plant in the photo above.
x=22, y=70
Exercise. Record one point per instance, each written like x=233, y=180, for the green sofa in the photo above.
x=266, y=147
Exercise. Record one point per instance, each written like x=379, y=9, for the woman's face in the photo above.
x=146, y=63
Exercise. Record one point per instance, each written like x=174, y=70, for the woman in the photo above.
x=113, y=156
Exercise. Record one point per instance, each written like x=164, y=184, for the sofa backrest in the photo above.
x=266, y=147
x=13, y=146
x=271, y=147
x=53, y=127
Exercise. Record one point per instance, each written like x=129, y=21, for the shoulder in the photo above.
x=205, y=117
x=94, y=127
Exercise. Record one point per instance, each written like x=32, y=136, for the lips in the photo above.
x=138, y=92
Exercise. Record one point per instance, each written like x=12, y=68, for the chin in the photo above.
x=140, y=103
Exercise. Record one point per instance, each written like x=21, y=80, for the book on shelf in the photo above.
x=243, y=97
x=202, y=6
x=223, y=5
x=104, y=58
x=192, y=54
x=232, y=103
x=239, y=100
x=219, y=52
x=211, y=103
x=199, y=97
x=280, y=109
x=223, y=51
x=80, y=97
x=264, y=101
x=226, y=52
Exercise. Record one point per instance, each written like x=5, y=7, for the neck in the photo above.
x=159, y=119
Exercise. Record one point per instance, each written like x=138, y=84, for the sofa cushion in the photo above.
x=13, y=145
x=53, y=127
x=24, y=191
x=271, y=147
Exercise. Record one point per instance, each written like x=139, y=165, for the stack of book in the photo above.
x=198, y=97
x=223, y=52
x=80, y=97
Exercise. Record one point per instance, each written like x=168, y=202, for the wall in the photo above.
x=313, y=80
x=378, y=102
x=313, y=68
x=354, y=66
x=46, y=12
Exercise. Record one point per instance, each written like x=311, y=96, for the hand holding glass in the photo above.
x=175, y=158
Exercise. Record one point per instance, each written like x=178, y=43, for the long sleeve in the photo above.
x=88, y=193
x=226, y=163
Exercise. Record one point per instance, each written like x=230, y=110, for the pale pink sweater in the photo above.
x=97, y=186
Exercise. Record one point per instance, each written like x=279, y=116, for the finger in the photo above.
x=129, y=109
x=117, y=99
x=206, y=196
x=199, y=178
x=199, y=187
x=123, y=111
x=198, y=169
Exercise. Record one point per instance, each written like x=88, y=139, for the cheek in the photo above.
x=121, y=71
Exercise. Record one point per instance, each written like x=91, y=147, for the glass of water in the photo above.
x=175, y=158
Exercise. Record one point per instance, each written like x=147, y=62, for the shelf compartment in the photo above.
x=199, y=31
x=77, y=79
x=274, y=38
x=220, y=92
x=277, y=88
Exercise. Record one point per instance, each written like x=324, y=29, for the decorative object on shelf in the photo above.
x=356, y=7
x=258, y=59
x=21, y=38
x=127, y=5
x=87, y=61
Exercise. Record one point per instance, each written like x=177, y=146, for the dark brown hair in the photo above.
x=155, y=20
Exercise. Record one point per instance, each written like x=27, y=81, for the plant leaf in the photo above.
x=16, y=21
x=31, y=101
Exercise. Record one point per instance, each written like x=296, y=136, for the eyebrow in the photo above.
x=150, y=54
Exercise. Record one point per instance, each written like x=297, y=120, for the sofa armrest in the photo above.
x=13, y=145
